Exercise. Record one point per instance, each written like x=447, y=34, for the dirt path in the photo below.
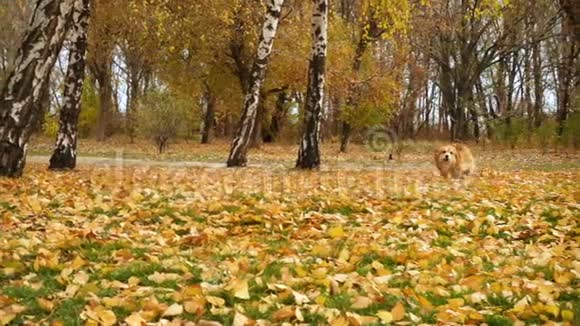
x=116, y=162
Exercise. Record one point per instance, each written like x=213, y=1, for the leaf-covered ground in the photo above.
x=346, y=246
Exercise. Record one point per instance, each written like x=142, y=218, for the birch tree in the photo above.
x=309, y=151
x=22, y=91
x=239, y=148
x=65, y=149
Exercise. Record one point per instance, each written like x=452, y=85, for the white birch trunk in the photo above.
x=239, y=149
x=65, y=150
x=309, y=151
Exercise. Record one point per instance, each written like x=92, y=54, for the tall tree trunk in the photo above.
x=345, y=132
x=256, y=138
x=278, y=117
x=228, y=126
x=370, y=31
x=23, y=89
x=239, y=149
x=566, y=69
x=209, y=118
x=309, y=152
x=65, y=149
x=103, y=76
x=538, y=85
x=135, y=68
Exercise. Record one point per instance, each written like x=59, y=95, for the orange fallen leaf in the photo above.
x=398, y=311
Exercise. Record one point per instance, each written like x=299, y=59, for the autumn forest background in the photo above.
x=470, y=70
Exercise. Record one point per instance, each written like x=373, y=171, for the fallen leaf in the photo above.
x=173, y=310
x=240, y=319
x=398, y=311
x=240, y=289
x=361, y=302
x=135, y=319
x=385, y=316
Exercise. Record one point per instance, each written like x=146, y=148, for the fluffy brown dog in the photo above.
x=454, y=160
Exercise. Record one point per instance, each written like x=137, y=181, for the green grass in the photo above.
x=341, y=302
x=496, y=320
x=436, y=300
x=137, y=269
x=28, y=296
x=442, y=241
x=500, y=302
x=364, y=265
x=343, y=210
x=98, y=251
x=68, y=312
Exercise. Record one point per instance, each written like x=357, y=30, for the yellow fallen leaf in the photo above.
x=162, y=277
x=240, y=320
x=111, y=302
x=456, y=302
x=398, y=311
x=320, y=273
x=567, y=315
x=385, y=316
x=301, y=272
x=135, y=319
x=208, y=323
x=340, y=321
x=34, y=204
x=78, y=262
x=336, y=232
x=81, y=278
x=215, y=301
x=563, y=277
x=173, y=310
x=361, y=302
x=240, y=289
x=320, y=300
x=476, y=316
x=45, y=304
x=344, y=255
x=552, y=309
x=5, y=319
x=521, y=305
x=105, y=316
x=133, y=281
x=194, y=306
x=284, y=314
x=425, y=304
x=299, y=315
x=322, y=251
x=300, y=298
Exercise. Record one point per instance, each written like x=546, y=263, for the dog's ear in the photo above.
x=458, y=146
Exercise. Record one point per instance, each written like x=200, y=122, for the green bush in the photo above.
x=512, y=133
x=90, y=105
x=571, y=133
x=545, y=135
x=50, y=126
x=162, y=116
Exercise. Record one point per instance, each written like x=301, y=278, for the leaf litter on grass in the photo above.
x=210, y=246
